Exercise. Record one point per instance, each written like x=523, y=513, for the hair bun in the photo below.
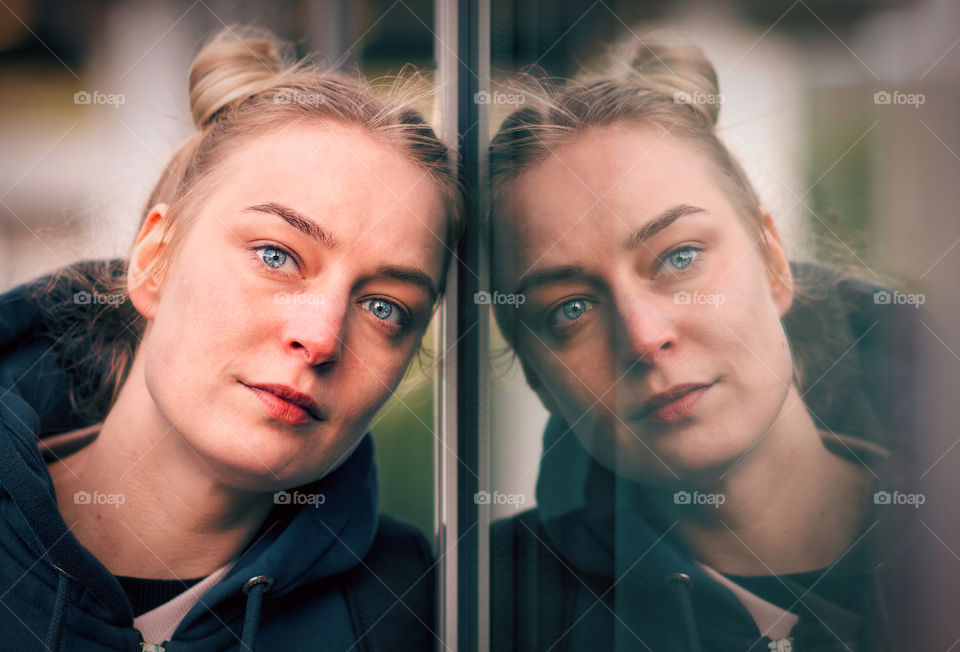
x=234, y=65
x=681, y=71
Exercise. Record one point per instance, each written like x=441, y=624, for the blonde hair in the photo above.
x=241, y=85
x=653, y=83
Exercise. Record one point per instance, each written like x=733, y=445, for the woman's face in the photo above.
x=313, y=265
x=639, y=279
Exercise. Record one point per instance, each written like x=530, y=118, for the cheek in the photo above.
x=751, y=326
x=208, y=310
x=203, y=326
x=578, y=377
x=371, y=371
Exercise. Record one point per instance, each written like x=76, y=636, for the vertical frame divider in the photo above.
x=461, y=461
x=445, y=377
x=473, y=120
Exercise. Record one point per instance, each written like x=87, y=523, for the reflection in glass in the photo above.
x=724, y=463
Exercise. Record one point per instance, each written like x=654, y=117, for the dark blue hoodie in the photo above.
x=334, y=577
x=591, y=569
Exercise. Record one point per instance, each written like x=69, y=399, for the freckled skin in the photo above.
x=216, y=320
x=578, y=207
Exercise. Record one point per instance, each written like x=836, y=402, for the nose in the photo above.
x=315, y=328
x=645, y=330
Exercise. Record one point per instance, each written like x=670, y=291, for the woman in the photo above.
x=283, y=275
x=719, y=422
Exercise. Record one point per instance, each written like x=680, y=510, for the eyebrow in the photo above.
x=303, y=224
x=638, y=237
x=546, y=276
x=658, y=224
x=409, y=275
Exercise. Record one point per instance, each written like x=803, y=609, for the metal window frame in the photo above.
x=462, y=51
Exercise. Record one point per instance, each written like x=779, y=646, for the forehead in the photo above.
x=589, y=194
x=610, y=176
x=359, y=187
x=341, y=175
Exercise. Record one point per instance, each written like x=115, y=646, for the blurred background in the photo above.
x=93, y=101
x=843, y=112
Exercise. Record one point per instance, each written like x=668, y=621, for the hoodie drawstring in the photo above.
x=682, y=584
x=59, y=615
x=254, y=590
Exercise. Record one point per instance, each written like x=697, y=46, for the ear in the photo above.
x=143, y=286
x=781, y=288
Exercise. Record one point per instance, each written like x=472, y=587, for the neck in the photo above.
x=787, y=506
x=158, y=512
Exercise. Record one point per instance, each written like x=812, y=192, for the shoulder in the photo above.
x=529, y=529
x=516, y=543
x=394, y=532
x=855, y=343
x=400, y=553
x=533, y=586
x=525, y=526
x=390, y=592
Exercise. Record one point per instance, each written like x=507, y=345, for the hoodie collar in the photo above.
x=863, y=386
x=298, y=543
x=326, y=534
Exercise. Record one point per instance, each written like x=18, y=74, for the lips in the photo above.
x=675, y=404
x=286, y=404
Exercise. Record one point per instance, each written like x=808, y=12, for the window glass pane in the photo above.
x=638, y=488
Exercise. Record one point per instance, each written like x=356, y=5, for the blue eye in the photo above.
x=273, y=257
x=570, y=311
x=679, y=259
x=387, y=311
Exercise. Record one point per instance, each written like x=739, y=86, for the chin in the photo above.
x=689, y=458
x=249, y=467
